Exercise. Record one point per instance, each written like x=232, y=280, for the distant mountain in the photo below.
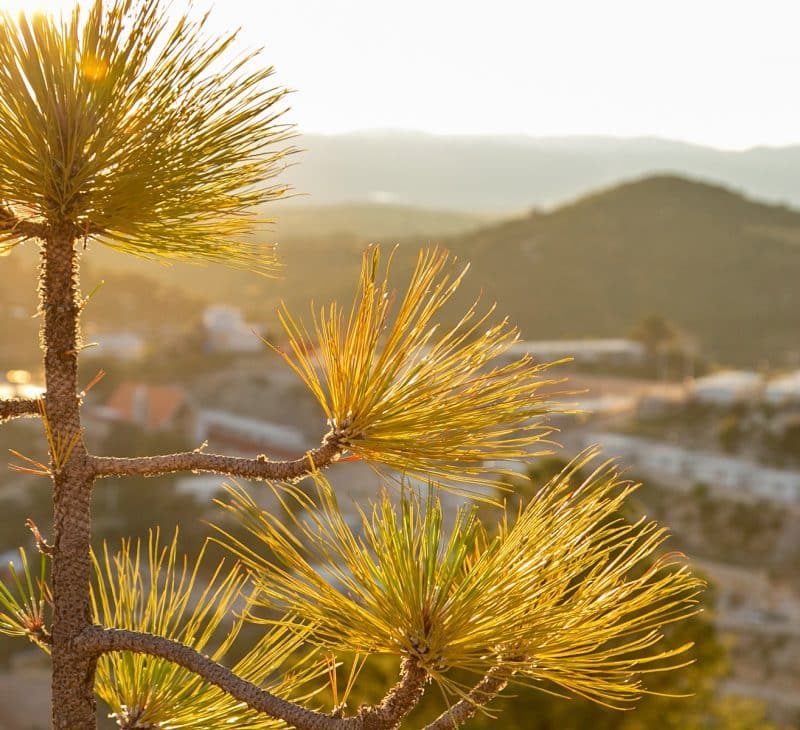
x=509, y=174
x=724, y=268
x=370, y=220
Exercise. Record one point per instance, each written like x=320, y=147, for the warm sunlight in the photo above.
x=37, y=6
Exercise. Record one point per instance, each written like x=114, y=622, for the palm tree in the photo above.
x=120, y=127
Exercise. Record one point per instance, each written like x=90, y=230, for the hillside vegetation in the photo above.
x=373, y=221
x=723, y=268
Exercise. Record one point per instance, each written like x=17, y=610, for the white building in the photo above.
x=249, y=434
x=125, y=346
x=783, y=390
x=587, y=351
x=226, y=331
x=688, y=467
x=203, y=487
x=728, y=387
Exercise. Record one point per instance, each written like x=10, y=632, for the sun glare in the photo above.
x=37, y=6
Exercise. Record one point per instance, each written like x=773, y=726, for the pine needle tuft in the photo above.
x=142, y=132
x=160, y=593
x=401, y=391
x=569, y=597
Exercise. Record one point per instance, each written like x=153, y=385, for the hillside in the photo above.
x=510, y=174
x=372, y=221
x=724, y=268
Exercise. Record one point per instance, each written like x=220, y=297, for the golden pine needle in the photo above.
x=570, y=596
x=400, y=391
x=39, y=469
x=25, y=604
x=60, y=445
x=137, y=130
x=162, y=594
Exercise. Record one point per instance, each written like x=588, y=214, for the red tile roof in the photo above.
x=150, y=406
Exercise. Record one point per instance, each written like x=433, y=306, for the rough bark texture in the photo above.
x=73, y=670
x=18, y=408
x=399, y=701
x=479, y=696
x=194, y=461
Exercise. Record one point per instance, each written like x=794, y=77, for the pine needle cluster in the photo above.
x=149, y=136
x=400, y=390
x=569, y=596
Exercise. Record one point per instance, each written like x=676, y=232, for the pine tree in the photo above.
x=122, y=128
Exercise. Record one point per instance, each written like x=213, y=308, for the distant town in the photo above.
x=673, y=393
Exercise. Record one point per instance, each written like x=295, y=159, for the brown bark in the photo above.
x=479, y=696
x=195, y=461
x=399, y=701
x=18, y=408
x=73, y=671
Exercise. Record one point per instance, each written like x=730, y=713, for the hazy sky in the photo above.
x=718, y=72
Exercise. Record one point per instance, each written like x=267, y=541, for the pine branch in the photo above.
x=13, y=228
x=259, y=468
x=18, y=408
x=399, y=701
x=479, y=696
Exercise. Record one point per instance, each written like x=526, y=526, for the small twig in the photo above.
x=88, y=297
x=42, y=545
x=94, y=381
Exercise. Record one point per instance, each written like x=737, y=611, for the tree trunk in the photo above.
x=73, y=674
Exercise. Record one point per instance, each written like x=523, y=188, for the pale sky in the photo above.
x=718, y=72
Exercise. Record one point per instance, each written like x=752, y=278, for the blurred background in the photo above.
x=624, y=178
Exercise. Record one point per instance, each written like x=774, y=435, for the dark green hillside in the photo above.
x=725, y=269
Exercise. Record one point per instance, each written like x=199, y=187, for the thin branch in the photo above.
x=29, y=229
x=18, y=408
x=400, y=700
x=13, y=227
x=259, y=468
x=44, y=547
x=479, y=696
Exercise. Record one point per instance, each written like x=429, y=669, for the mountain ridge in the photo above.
x=507, y=174
x=723, y=267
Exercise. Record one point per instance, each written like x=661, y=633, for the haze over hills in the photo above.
x=510, y=174
x=722, y=267
x=370, y=220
